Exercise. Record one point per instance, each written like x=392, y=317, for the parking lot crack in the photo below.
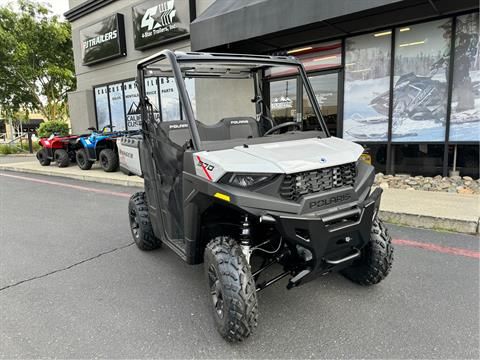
x=67, y=267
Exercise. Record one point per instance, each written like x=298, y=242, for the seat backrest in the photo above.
x=213, y=132
x=241, y=127
x=177, y=131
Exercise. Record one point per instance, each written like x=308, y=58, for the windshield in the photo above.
x=236, y=101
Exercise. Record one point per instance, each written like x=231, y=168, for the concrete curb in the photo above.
x=430, y=222
x=86, y=177
x=23, y=155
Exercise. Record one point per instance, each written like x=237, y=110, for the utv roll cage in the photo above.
x=174, y=58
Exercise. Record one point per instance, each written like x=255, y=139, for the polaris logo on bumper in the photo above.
x=329, y=201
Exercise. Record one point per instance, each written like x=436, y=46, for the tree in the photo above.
x=36, y=61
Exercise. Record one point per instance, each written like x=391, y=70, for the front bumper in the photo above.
x=333, y=241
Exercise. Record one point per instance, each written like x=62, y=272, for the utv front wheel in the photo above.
x=61, y=158
x=140, y=223
x=42, y=157
x=232, y=289
x=82, y=160
x=376, y=260
x=108, y=160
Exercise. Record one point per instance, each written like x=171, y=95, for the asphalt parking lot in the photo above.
x=72, y=285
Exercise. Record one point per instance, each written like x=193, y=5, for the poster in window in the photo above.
x=283, y=100
x=465, y=113
x=134, y=116
x=101, y=105
x=151, y=87
x=422, y=54
x=190, y=86
x=117, y=112
x=367, y=84
x=169, y=99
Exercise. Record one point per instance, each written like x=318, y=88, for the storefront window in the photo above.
x=101, y=105
x=367, y=85
x=283, y=100
x=418, y=159
x=320, y=56
x=151, y=87
x=422, y=54
x=466, y=160
x=465, y=113
x=325, y=88
x=117, y=110
x=134, y=116
x=377, y=153
x=169, y=99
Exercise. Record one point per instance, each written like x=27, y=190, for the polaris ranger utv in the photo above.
x=228, y=185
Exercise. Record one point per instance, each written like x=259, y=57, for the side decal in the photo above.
x=206, y=167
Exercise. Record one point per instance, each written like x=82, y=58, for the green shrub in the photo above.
x=6, y=149
x=47, y=128
x=36, y=146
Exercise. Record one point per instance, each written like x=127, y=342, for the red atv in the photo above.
x=60, y=149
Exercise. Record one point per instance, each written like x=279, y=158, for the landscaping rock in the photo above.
x=454, y=184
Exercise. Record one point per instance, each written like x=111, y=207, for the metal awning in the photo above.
x=269, y=25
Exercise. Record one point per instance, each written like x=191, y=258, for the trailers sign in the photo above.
x=159, y=21
x=103, y=41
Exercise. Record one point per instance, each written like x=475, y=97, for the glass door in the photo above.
x=325, y=87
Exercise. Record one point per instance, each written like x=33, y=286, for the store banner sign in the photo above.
x=103, y=41
x=156, y=22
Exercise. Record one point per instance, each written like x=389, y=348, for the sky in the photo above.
x=58, y=7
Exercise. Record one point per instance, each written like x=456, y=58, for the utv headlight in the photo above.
x=245, y=180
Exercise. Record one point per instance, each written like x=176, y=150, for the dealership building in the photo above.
x=400, y=77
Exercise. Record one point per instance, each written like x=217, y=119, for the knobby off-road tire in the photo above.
x=61, y=158
x=108, y=160
x=82, y=160
x=232, y=288
x=376, y=259
x=140, y=223
x=42, y=157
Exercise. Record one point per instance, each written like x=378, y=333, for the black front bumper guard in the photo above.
x=334, y=241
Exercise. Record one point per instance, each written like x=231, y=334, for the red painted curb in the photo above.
x=438, y=248
x=76, y=187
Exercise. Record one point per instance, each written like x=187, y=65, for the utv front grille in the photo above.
x=294, y=186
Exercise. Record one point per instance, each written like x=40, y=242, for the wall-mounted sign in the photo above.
x=104, y=40
x=159, y=21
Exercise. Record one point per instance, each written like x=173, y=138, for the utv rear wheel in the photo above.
x=61, y=158
x=42, y=157
x=82, y=160
x=232, y=289
x=376, y=259
x=140, y=223
x=108, y=160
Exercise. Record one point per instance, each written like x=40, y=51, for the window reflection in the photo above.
x=325, y=88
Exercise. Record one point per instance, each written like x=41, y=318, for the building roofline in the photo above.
x=85, y=8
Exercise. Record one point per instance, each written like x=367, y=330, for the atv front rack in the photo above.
x=334, y=242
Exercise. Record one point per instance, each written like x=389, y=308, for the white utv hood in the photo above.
x=285, y=157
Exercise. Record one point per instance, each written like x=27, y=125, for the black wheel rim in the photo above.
x=103, y=161
x=134, y=225
x=81, y=159
x=216, y=291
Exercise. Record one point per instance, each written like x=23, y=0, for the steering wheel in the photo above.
x=281, y=126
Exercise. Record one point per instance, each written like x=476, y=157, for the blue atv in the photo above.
x=101, y=146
